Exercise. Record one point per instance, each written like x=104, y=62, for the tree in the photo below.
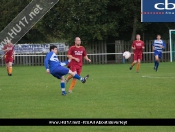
x=10, y=9
x=88, y=19
x=130, y=11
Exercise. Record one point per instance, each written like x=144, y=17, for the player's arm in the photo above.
x=69, y=55
x=164, y=45
x=46, y=62
x=13, y=55
x=133, y=46
x=143, y=45
x=153, y=46
x=85, y=55
x=65, y=62
x=87, y=59
x=4, y=49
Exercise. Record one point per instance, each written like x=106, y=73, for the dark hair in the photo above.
x=52, y=47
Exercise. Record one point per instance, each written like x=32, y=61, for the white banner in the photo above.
x=36, y=48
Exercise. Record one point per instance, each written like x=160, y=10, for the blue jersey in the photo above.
x=51, y=62
x=157, y=44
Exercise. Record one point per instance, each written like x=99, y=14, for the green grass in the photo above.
x=112, y=91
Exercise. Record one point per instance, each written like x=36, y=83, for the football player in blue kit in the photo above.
x=56, y=68
x=158, y=46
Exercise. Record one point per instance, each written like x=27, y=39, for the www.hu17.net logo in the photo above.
x=165, y=6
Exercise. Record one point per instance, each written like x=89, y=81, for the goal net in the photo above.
x=172, y=45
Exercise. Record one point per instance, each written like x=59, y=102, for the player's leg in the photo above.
x=59, y=73
x=138, y=66
x=156, y=62
x=159, y=57
x=73, y=82
x=73, y=69
x=7, y=64
x=138, y=63
x=76, y=76
x=134, y=62
x=70, y=76
x=10, y=68
x=7, y=68
x=156, y=55
x=62, y=84
x=154, y=65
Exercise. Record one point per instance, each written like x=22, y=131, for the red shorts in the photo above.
x=68, y=66
x=78, y=69
x=137, y=56
x=8, y=59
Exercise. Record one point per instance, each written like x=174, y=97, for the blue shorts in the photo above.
x=158, y=53
x=60, y=71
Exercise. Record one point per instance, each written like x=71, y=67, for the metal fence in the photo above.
x=148, y=55
x=99, y=53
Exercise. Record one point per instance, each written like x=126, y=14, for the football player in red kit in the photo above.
x=8, y=50
x=76, y=53
x=137, y=46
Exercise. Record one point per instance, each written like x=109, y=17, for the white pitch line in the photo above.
x=156, y=77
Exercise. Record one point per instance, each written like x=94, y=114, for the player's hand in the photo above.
x=77, y=60
x=89, y=60
x=161, y=46
x=134, y=48
x=69, y=60
x=5, y=50
x=143, y=47
x=48, y=71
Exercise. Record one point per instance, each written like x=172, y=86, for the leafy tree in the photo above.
x=88, y=19
x=91, y=20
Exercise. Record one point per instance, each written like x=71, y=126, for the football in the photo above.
x=127, y=54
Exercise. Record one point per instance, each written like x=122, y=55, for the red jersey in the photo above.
x=77, y=52
x=138, y=44
x=10, y=49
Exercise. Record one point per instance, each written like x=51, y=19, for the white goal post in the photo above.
x=171, y=50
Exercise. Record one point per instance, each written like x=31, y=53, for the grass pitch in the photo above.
x=112, y=91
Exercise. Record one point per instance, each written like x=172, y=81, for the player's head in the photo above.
x=9, y=42
x=54, y=49
x=138, y=37
x=158, y=36
x=77, y=41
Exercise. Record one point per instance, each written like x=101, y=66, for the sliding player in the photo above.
x=158, y=46
x=8, y=50
x=76, y=53
x=57, y=69
x=137, y=46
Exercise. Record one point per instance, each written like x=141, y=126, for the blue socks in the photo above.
x=63, y=87
x=156, y=65
x=77, y=77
